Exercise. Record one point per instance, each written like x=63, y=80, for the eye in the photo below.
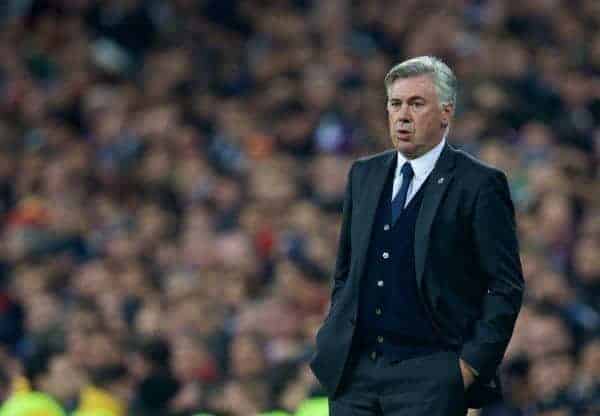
x=417, y=104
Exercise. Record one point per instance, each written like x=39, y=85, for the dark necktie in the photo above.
x=400, y=199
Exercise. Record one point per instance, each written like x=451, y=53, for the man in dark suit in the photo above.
x=428, y=282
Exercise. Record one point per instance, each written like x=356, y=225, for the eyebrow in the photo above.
x=411, y=98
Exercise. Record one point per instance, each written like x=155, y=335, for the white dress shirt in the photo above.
x=422, y=167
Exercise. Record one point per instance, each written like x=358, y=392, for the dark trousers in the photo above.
x=427, y=385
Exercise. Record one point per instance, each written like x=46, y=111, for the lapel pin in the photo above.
x=440, y=181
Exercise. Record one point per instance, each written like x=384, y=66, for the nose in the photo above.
x=404, y=113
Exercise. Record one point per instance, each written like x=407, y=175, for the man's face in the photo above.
x=416, y=119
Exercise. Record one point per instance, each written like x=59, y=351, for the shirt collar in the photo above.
x=424, y=164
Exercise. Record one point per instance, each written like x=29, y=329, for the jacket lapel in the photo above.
x=369, y=200
x=435, y=188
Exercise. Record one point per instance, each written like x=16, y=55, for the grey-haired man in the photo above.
x=428, y=282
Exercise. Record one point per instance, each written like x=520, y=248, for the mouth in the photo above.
x=403, y=134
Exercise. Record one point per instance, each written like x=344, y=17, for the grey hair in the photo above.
x=444, y=80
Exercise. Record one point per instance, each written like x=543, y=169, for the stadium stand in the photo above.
x=171, y=175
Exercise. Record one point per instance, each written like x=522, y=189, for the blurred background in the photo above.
x=171, y=178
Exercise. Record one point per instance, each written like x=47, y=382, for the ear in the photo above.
x=447, y=113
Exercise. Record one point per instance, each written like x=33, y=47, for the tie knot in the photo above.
x=407, y=171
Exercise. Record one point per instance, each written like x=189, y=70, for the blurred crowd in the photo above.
x=171, y=178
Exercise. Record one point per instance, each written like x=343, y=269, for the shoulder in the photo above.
x=366, y=163
x=361, y=167
x=475, y=171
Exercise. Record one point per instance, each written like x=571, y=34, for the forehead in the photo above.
x=420, y=85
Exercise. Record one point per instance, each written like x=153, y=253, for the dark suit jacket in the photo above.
x=468, y=269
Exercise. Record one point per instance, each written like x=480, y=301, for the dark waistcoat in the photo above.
x=391, y=319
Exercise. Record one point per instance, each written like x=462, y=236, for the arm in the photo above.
x=342, y=262
x=494, y=231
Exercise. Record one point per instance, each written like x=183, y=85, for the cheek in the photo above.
x=426, y=122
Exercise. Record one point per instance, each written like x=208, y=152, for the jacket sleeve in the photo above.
x=344, y=252
x=495, y=237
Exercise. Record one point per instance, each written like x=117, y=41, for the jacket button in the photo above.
x=385, y=255
x=378, y=311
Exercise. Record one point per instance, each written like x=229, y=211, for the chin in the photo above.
x=407, y=149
